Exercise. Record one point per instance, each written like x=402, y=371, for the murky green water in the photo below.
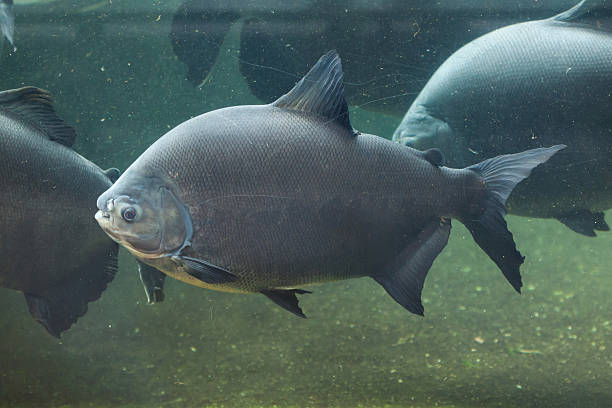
x=117, y=80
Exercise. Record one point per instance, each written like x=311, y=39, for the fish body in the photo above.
x=262, y=207
x=268, y=198
x=49, y=247
x=524, y=86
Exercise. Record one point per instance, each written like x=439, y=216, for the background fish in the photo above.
x=7, y=21
x=50, y=247
x=401, y=42
x=530, y=85
x=267, y=198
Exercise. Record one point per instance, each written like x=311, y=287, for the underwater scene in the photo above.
x=309, y=203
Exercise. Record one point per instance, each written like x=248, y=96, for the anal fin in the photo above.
x=584, y=222
x=153, y=282
x=58, y=307
x=404, y=278
x=286, y=299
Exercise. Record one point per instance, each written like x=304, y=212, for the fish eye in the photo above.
x=129, y=214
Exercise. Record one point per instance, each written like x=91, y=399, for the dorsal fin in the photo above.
x=321, y=92
x=434, y=156
x=578, y=13
x=112, y=174
x=35, y=105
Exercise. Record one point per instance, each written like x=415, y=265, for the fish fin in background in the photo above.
x=204, y=271
x=406, y=275
x=112, y=174
x=588, y=12
x=434, y=156
x=320, y=92
x=35, y=105
x=57, y=308
x=153, y=282
x=7, y=21
x=584, y=222
x=287, y=299
x=490, y=231
x=199, y=52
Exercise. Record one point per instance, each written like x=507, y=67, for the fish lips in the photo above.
x=104, y=216
x=104, y=219
x=105, y=203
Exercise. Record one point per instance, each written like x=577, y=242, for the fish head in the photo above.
x=421, y=130
x=145, y=216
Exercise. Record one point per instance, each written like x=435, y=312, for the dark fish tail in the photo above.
x=501, y=174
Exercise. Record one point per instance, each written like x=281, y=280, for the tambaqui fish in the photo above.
x=530, y=85
x=268, y=198
x=50, y=248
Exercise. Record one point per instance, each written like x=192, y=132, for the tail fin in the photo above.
x=501, y=174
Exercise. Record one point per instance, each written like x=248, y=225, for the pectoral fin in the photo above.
x=286, y=299
x=584, y=222
x=404, y=278
x=153, y=282
x=204, y=271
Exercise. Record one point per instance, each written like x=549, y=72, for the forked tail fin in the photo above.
x=501, y=174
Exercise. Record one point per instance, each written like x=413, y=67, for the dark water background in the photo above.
x=116, y=79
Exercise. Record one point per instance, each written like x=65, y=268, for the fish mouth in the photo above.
x=105, y=205
x=406, y=137
x=104, y=219
x=409, y=141
x=102, y=214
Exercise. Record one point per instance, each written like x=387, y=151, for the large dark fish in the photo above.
x=401, y=42
x=50, y=248
x=530, y=85
x=7, y=21
x=267, y=198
